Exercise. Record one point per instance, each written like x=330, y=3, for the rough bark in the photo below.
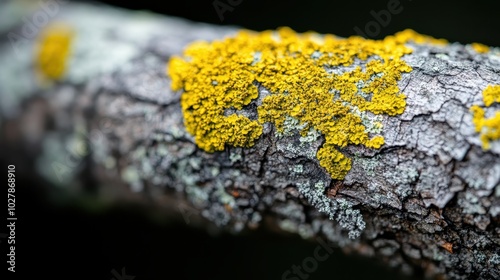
x=429, y=199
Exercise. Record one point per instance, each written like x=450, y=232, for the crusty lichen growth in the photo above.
x=480, y=48
x=491, y=94
x=489, y=128
x=309, y=78
x=339, y=209
x=53, y=51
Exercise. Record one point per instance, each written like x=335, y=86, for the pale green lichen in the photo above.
x=198, y=197
x=224, y=197
x=340, y=209
x=109, y=162
x=235, y=157
x=288, y=225
x=311, y=136
x=299, y=168
x=131, y=175
x=290, y=125
x=494, y=259
x=369, y=165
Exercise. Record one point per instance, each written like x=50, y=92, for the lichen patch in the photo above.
x=324, y=83
x=480, y=48
x=53, y=51
x=489, y=128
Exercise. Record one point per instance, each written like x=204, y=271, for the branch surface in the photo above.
x=429, y=199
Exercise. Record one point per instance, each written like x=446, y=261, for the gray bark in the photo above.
x=428, y=199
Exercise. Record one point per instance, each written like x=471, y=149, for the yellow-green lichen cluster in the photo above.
x=480, y=48
x=312, y=78
x=489, y=128
x=54, y=50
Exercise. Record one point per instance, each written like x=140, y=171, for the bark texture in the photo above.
x=428, y=200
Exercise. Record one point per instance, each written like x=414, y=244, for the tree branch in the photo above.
x=428, y=199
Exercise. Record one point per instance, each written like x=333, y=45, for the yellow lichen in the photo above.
x=410, y=35
x=54, y=50
x=489, y=128
x=491, y=94
x=309, y=78
x=480, y=48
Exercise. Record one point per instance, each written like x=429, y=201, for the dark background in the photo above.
x=457, y=21
x=66, y=242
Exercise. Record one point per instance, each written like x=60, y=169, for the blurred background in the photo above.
x=72, y=240
x=457, y=21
